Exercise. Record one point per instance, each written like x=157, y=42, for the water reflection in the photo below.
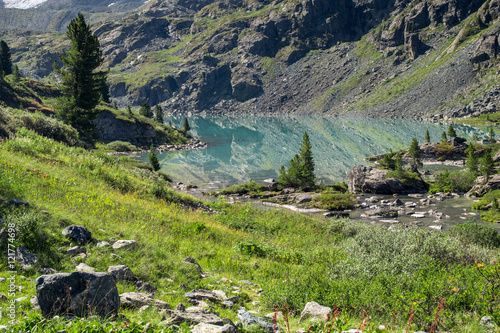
x=254, y=147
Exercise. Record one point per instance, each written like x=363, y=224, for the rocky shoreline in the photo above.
x=192, y=145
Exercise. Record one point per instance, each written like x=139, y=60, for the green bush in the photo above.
x=405, y=176
x=334, y=201
x=49, y=127
x=250, y=187
x=473, y=233
x=121, y=146
x=455, y=181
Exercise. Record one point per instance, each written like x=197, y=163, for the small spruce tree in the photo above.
x=301, y=170
x=145, y=110
x=158, y=114
x=451, y=132
x=491, y=134
x=153, y=159
x=427, y=137
x=475, y=137
x=5, y=58
x=487, y=164
x=17, y=75
x=398, y=166
x=186, y=127
x=444, y=139
x=129, y=110
x=416, y=154
x=472, y=161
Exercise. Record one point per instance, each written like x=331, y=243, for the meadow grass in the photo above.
x=293, y=258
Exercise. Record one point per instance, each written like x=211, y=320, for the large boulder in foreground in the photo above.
x=370, y=179
x=78, y=294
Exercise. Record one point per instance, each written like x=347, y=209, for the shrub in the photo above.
x=334, y=201
x=444, y=150
x=48, y=127
x=455, y=181
x=250, y=187
x=121, y=146
x=405, y=176
x=473, y=233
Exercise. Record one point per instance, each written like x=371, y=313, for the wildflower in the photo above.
x=480, y=265
x=455, y=289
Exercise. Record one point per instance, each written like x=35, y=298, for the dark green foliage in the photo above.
x=405, y=176
x=473, y=233
x=491, y=134
x=250, y=187
x=104, y=88
x=416, y=154
x=444, y=139
x=186, y=127
x=455, y=181
x=472, y=161
x=81, y=83
x=475, y=137
x=398, y=166
x=487, y=164
x=17, y=75
x=5, y=58
x=301, y=171
x=145, y=110
x=427, y=137
x=451, y=132
x=334, y=201
x=129, y=110
x=153, y=159
x=121, y=146
x=158, y=114
x=115, y=106
x=388, y=162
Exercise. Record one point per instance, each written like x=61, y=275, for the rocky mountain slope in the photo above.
x=393, y=58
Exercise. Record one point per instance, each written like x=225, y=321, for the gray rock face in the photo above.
x=25, y=258
x=202, y=294
x=79, y=294
x=372, y=180
x=248, y=319
x=121, y=273
x=481, y=187
x=77, y=233
x=177, y=317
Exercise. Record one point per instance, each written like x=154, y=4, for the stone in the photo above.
x=77, y=293
x=486, y=321
x=82, y=267
x=121, y=273
x=190, y=261
x=177, y=317
x=3, y=297
x=313, y=309
x=25, y=258
x=202, y=294
x=146, y=287
x=180, y=307
x=125, y=244
x=208, y=328
x=134, y=300
x=227, y=304
x=17, y=202
x=103, y=244
x=75, y=250
x=47, y=270
x=247, y=319
x=34, y=302
x=77, y=233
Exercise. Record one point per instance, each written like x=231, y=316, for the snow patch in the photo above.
x=22, y=4
x=111, y=4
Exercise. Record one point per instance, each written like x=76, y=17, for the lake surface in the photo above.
x=242, y=148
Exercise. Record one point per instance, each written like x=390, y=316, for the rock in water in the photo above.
x=79, y=294
x=78, y=233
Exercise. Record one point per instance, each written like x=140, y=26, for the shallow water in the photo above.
x=255, y=147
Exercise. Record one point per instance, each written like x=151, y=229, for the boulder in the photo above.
x=313, y=309
x=372, y=180
x=121, y=273
x=34, y=302
x=25, y=258
x=202, y=295
x=77, y=233
x=146, y=287
x=78, y=294
x=82, y=267
x=135, y=300
x=75, y=250
x=103, y=244
x=125, y=244
x=248, y=319
x=208, y=328
x=481, y=187
x=178, y=317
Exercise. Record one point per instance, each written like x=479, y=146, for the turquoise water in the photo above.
x=242, y=148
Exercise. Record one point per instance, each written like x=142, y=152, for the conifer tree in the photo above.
x=81, y=83
x=153, y=159
x=399, y=165
x=306, y=158
x=17, y=75
x=186, y=127
x=492, y=134
x=427, y=137
x=451, y=132
x=416, y=154
x=129, y=110
x=444, y=139
x=301, y=171
x=5, y=58
x=475, y=137
x=145, y=110
x=487, y=164
x=158, y=114
x=472, y=160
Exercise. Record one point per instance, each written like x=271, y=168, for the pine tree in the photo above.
x=17, y=75
x=5, y=58
x=472, y=160
x=186, y=127
x=451, y=132
x=444, y=139
x=80, y=80
x=427, y=137
x=153, y=159
x=145, y=110
x=305, y=153
x=416, y=154
x=487, y=164
x=475, y=137
x=158, y=114
x=129, y=110
x=492, y=134
x=399, y=166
